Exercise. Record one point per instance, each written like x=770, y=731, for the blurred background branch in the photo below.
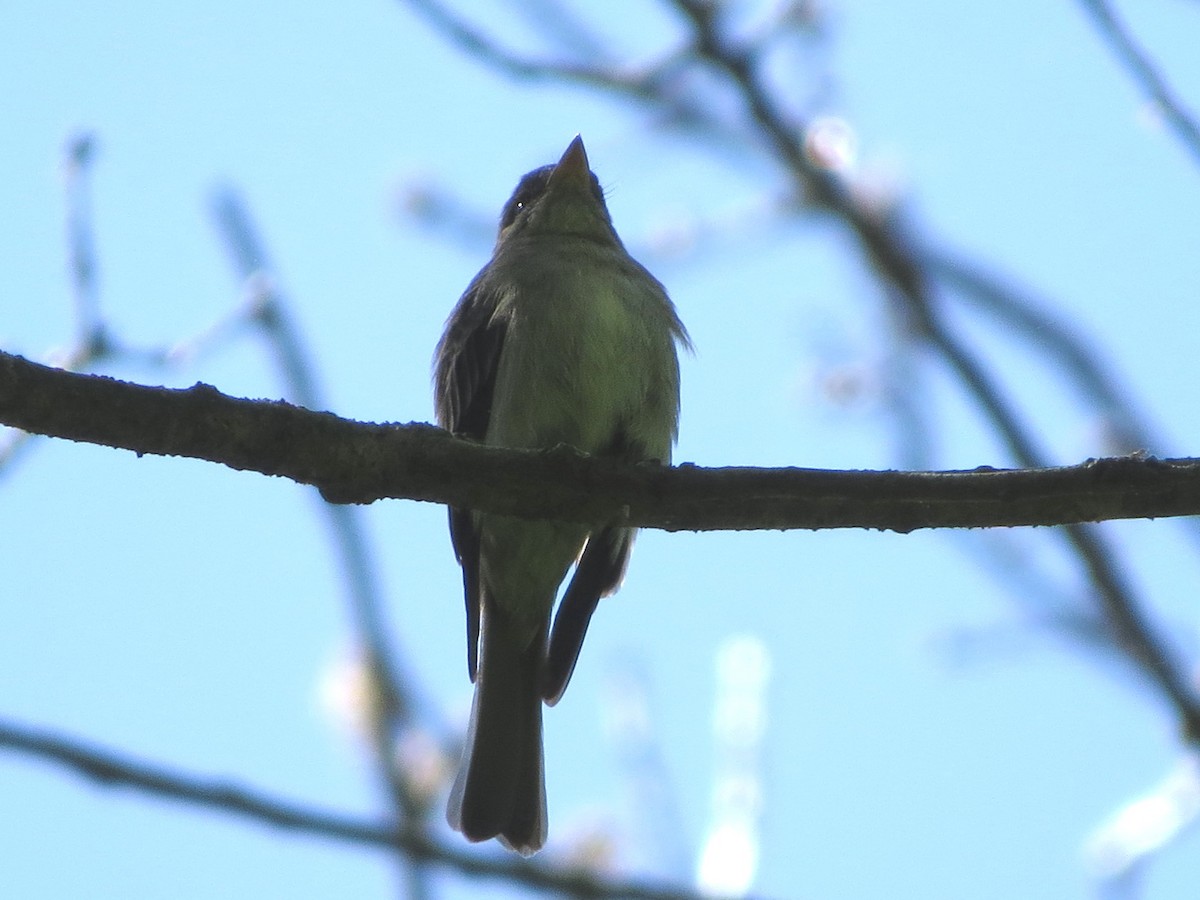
x=1143, y=70
x=390, y=714
x=112, y=769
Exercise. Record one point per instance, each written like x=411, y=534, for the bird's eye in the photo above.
x=511, y=211
x=531, y=187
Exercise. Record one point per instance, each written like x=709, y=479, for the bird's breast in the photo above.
x=588, y=354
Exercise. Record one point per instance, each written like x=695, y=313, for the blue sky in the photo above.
x=189, y=614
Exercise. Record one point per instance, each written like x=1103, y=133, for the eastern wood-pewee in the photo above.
x=562, y=338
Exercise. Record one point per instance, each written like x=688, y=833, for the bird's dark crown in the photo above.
x=531, y=187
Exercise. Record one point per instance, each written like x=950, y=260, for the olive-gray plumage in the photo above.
x=562, y=338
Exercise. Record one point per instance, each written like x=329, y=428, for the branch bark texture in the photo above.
x=357, y=462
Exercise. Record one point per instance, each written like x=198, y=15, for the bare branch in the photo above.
x=357, y=462
x=89, y=343
x=109, y=768
x=475, y=43
x=81, y=244
x=656, y=85
x=395, y=712
x=1145, y=73
x=1060, y=339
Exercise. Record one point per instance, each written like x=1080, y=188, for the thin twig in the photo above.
x=109, y=768
x=93, y=342
x=395, y=713
x=1145, y=73
x=81, y=243
x=560, y=23
x=1060, y=339
x=476, y=44
x=657, y=86
x=89, y=343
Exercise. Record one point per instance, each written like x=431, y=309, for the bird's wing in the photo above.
x=464, y=381
x=599, y=573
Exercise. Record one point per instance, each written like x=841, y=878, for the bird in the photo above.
x=561, y=338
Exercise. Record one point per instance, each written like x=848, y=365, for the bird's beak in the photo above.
x=573, y=167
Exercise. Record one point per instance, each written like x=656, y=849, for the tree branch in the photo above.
x=357, y=462
x=108, y=768
x=1145, y=73
x=396, y=710
x=1062, y=341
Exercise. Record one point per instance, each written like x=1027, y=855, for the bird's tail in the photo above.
x=500, y=790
